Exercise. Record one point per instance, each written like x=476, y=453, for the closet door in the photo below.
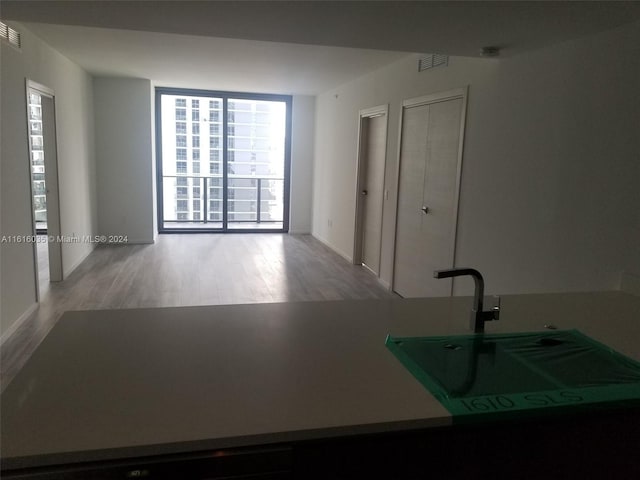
x=430, y=156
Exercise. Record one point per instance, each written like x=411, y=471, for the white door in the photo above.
x=429, y=178
x=371, y=166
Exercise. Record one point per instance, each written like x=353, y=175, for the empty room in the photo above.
x=319, y=239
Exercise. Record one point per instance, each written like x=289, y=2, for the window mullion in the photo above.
x=225, y=153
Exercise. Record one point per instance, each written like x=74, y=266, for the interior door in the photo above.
x=374, y=133
x=430, y=158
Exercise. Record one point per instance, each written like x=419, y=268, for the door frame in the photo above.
x=362, y=157
x=462, y=93
x=53, y=194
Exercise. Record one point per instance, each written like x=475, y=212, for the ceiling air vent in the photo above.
x=432, y=60
x=10, y=35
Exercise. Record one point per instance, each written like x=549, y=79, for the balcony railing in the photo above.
x=251, y=199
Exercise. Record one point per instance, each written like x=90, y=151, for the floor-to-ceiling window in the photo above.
x=223, y=161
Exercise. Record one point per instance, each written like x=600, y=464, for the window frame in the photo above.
x=224, y=119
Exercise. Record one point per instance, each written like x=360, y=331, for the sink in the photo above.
x=478, y=375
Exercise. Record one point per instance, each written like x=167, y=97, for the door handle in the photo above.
x=425, y=209
x=364, y=192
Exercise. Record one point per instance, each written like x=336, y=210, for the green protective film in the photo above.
x=480, y=376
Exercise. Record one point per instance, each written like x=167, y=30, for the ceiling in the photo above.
x=190, y=61
x=304, y=47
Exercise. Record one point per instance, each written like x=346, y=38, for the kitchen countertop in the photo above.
x=116, y=384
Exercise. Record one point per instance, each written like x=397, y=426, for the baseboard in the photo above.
x=134, y=242
x=384, y=283
x=349, y=258
x=76, y=264
x=18, y=323
x=630, y=283
x=293, y=231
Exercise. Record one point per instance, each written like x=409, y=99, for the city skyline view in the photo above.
x=199, y=181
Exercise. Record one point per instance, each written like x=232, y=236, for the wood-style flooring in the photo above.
x=202, y=269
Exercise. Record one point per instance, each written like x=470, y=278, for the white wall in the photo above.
x=551, y=162
x=124, y=153
x=76, y=165
x=302, y=132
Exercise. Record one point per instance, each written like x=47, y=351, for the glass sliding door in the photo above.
x=223, y=162
x=191, y=152
x=255, y=163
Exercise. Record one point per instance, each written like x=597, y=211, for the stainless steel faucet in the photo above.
x=478, y=315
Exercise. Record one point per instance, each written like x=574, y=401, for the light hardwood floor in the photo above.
x=202, y=269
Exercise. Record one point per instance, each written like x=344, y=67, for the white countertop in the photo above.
x=122, y=383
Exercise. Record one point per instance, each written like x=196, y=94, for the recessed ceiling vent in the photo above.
x=432, y=60
x=10, y=35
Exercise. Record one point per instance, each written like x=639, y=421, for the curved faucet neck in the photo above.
x=477, y=315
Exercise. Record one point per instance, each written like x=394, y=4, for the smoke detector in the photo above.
x=490, y=51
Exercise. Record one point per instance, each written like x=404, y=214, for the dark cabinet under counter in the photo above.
x=575, y=446
x=259, y=463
